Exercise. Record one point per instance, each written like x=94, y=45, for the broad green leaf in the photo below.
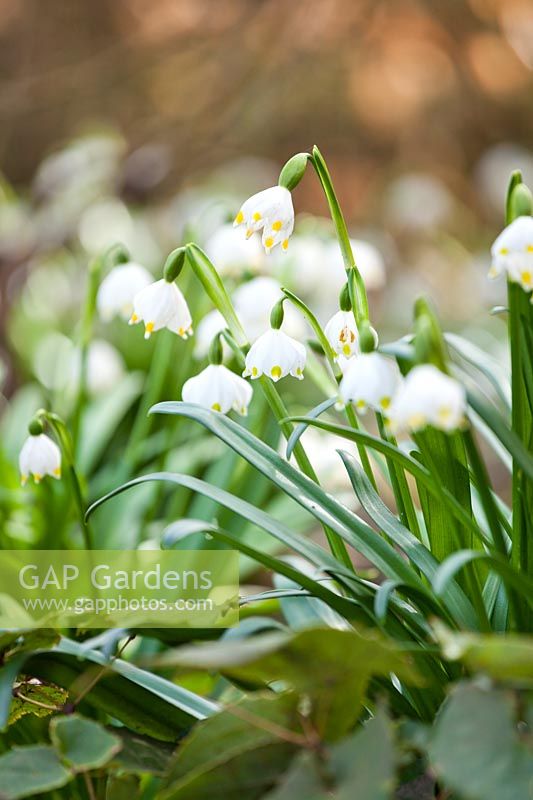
x=475, y=749
x=28, y=771
x=33, y=697
x=236, y=754
x=364, y=763
x=307, y=493
x=302, y=780
x=140, y=753
x=506, y=658
x=328, y=666
x=82, y=743
x=123, y=787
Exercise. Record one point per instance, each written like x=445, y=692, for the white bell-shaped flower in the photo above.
x=219, y=389
x=520, y=269
x=162, y=305
x=428, y=397
x=341, y=332
x=119, y=287
x=39, y=456
x=511, y=252
x=272, y=212
x=275, y=354
x=370, y=381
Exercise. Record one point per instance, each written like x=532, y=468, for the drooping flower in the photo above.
x=270, y=211
x=232, y=254
x=162, y=305
x=275, y=354
x=512, y=252
x=39, y=456
x=370, y=381
x=219, y=389
x=341, y=332
x=119, y=287
x=428, y=397
x=253, y=302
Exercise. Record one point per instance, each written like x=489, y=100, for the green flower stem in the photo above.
x=492, y=514
x=400, y=487
x=206, y=273
x=154, y=383
x=357, y=287
x=519, y=312
x=338, y=548
x=330, y=355
x=89, y=310
x=67, y=450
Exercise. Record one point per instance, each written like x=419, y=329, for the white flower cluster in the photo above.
x=370, y=380
x=512, y=253
x=425, y=397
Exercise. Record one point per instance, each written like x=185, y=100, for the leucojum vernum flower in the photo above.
x=451, y=561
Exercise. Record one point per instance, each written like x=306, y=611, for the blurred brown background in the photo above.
x=380, y=85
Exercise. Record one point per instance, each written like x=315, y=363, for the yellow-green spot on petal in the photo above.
x=444, y=413
x=216, y=407
x=269, y=241
x=360, y=404
x=276, y=372
x=529, y=248
x=254, y=372
x=239, y=218
x=527, y=277
x=285, y=244
x=256, y=217
x=346, y=350
x=277, y=225
x=57, y=472
x=503, y=251
x=384, y=402
x=37, y=477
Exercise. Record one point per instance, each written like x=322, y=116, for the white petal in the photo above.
x=119, y=287
x=370, y=380
x=40, y=456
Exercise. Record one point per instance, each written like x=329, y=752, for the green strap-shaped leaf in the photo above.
x=456, y=601
x=408, y=463
x=307, y=493
x=522, y=583
x=500, y=427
